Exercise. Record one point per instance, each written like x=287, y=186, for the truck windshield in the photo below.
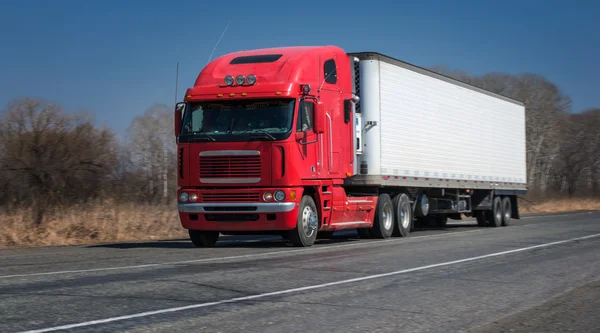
x=236, y=120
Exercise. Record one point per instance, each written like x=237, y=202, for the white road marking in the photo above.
x=306, y=288
x=244, y=256
x=266, y=254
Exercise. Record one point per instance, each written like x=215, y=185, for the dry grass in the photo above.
x=558, y=206
x=87, y=225
x=119, y=223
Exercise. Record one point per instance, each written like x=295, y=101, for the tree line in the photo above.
x=51, y=159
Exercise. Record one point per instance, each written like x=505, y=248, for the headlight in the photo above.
x=240, y=79
x=193, y=197
x=267, y=196
x=183, y=197
x=251, y=79
x=279, y=195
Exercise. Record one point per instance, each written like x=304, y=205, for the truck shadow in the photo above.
x=256, y=242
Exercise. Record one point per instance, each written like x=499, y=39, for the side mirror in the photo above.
x=319, y=118
x=179, y=108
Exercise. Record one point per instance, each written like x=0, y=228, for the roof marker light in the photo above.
x=240, y=79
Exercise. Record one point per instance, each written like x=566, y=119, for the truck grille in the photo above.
x=230, y=197
x=217, y=167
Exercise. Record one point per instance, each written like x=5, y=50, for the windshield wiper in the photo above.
x=191, y=136
x=207, y=135
x=263, y=133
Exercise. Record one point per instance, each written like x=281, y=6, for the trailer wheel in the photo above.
x=506, y=211
x=383, y=226
x=496, y=218
x=307, y=225
x=203, y=238
x=402, y=215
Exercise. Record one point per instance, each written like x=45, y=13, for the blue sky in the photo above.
x=117, y=58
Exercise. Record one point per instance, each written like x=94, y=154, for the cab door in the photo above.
x=308, y=141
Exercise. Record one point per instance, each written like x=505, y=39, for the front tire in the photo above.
x=203, y=238
x=307, y=225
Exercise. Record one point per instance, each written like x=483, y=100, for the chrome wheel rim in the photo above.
x=309, y=221
x=405, y=215
x=387, y=216
x=498, y=212
x=507, y=212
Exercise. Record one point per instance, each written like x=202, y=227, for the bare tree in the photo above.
x=53, y=158
x=153, y=147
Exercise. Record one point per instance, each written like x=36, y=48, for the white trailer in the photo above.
x=455, y=146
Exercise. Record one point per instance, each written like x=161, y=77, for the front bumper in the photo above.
x=239, y=216
x=237, y=207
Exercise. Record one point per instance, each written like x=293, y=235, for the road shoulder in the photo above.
x=574, y=311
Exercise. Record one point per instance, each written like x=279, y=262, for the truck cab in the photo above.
x=263, y=136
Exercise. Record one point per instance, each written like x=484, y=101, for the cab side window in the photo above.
x=330, y=72
x=305, y=116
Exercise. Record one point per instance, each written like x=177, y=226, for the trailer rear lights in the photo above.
x=240, y=79
x=279, y=195
x=251, y=79
x=229, y=80
x=267, y=196
x=193, y=197
x=183, y=197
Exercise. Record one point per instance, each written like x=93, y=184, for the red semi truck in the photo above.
x=306, y=141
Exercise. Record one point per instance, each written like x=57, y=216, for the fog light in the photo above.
x=268, y=196
x=229, y=80
x=251, y=79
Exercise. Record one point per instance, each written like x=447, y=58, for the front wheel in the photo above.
x=203, y=238
x=307, y=225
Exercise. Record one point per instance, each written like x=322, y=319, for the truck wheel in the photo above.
x=496, y=218
x=402, y=215
x=307, y=225
x=203, y=238
x=383, y=226
x=506, y=211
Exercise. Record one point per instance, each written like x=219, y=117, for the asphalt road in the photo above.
x=457, y=279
